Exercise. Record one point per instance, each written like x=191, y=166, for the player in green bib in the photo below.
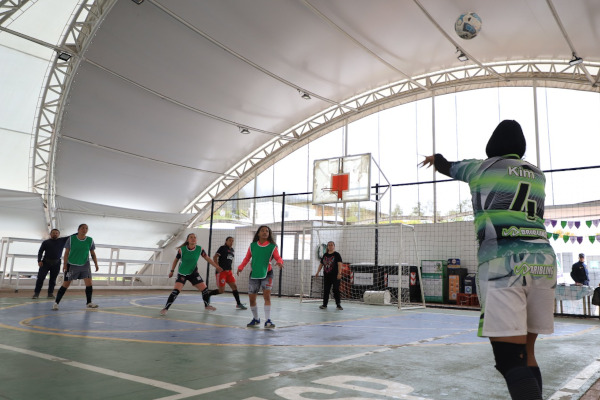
x=188, y=255
x=516, y=275
x=78, y=249
x=262, y=250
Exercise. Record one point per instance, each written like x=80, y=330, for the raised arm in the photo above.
x=439, y=162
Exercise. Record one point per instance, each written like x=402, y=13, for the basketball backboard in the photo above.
x=342, y=179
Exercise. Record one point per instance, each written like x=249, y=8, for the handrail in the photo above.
x=114, y=262
x=102, y=246
x=117, y=260
x=17, y=276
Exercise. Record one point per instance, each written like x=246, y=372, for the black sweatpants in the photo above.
x=54, y=269
x=328, y=283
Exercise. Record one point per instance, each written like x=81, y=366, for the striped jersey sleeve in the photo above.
x=508, y=197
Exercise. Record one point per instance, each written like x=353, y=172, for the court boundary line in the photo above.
x=575, y=385
x=105, y=371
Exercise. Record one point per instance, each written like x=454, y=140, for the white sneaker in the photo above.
x=55, y=306
x=91, y=305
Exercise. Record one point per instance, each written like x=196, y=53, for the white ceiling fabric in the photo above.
x=151, y=117
x=153, y=72
x=23, y=65
x=22, y=214
x=118, y=226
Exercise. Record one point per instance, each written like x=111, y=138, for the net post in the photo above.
x=400, y=270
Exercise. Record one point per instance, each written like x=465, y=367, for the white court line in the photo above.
x=240, y=316
x=325, y=363
x=574, y=385
x=274, y=375
x=109, y=372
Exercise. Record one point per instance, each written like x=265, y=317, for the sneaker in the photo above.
x=269, y=324
x=50, y=296
x=55, y=306
x=339, y=307
x=322, y=307
x=210, y=308
x=163, y=311
x=91, y=305
x=254, y=323
x=35, y=296
x=241, y=307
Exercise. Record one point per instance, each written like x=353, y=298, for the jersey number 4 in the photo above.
x=521, y=201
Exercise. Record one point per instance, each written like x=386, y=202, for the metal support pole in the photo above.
x=376, y=224
x=281, y=241
x=210, y=231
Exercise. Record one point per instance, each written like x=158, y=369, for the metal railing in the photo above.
x=18, y=267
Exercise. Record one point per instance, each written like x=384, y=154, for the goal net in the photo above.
x=379, y=264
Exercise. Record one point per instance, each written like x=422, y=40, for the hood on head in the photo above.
x=507, y=138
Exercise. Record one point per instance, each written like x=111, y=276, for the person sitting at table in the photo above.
x=579, y=272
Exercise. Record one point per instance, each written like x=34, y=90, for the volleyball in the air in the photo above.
x=468, y=25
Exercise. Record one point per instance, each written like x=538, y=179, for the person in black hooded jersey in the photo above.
x=516, y=275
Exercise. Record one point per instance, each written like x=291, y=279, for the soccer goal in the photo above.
x=379, y=264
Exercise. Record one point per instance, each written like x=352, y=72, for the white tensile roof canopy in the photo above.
x=150, y=106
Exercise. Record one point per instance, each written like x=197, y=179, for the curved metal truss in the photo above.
x=550, y=73
x=8, y=8
x=58, y=79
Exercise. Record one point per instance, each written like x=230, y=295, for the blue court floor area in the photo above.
x=126, y=350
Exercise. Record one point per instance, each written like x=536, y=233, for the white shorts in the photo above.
x=517, y=295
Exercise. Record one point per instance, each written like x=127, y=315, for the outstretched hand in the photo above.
x=428, y=161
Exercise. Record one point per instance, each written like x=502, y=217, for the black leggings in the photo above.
x=328, y=283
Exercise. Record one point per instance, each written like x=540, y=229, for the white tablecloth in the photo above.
x=572, y=292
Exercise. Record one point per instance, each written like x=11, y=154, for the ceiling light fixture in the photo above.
x=63, y=55
x=461, y=56
x=575, y=60
x=244, y=131
x=138, y=2
x=304, y=95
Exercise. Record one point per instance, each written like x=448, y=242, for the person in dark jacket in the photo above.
x=579, y=272
x=48, y=259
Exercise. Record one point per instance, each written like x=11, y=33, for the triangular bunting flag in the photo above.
x=546, y=222
x=592, y=238
x=563, y=223
x=579, y=239
x=588, y=223
x=595, y=222
x=570, y=224
x=553, y=222
x=549, y=234
x=555, y=236
x=577, y=224
x=572, y=239
x=598, y=237
x=565, y=238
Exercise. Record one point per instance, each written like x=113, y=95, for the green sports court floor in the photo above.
x=126, y=350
